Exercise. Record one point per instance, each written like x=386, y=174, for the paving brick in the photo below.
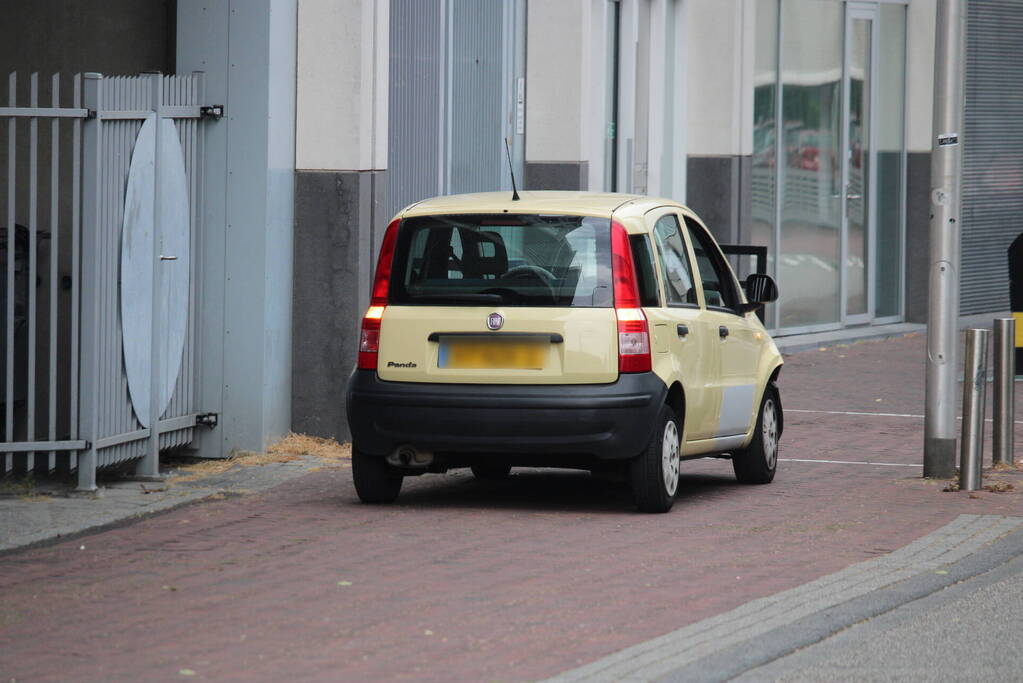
x=482, y=581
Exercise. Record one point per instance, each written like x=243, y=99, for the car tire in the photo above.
x=490, y=471
x=655, y=471
x=375, y=480
x=757, y=463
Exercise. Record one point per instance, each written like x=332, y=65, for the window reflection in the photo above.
x=811, y=192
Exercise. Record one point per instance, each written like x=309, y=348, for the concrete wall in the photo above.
x=921, y=19
x=558, y=70
x=720, y=48
x=72, y=36
x=340, y=198
x=247, y=50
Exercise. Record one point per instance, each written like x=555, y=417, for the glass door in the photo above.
x=858, y=164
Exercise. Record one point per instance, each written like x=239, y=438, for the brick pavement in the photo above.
x=464, y=580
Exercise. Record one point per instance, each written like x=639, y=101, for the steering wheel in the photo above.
x=530, y=272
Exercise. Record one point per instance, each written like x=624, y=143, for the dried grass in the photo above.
x=327, y=450
x=290, y=448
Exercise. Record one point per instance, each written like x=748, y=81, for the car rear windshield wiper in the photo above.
x=468, y=297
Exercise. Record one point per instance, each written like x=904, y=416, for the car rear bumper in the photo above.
x=606, y=421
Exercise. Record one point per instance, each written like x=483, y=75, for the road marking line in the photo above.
x=852, y=462
x=853, y=412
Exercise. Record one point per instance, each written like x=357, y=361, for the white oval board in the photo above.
x=139, y=262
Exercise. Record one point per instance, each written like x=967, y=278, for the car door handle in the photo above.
x=683, y=330
x=723, y=331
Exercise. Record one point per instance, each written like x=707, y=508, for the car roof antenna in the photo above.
x=511, y=171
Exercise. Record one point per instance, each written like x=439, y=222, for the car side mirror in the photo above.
x=760, y=290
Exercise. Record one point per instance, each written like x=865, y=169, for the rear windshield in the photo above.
x=507, y=259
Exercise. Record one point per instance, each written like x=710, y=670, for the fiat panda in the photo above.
x=560, y=329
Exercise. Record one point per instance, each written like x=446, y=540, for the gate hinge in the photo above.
x=207, y=419
x=90, y=113
x=212, y=111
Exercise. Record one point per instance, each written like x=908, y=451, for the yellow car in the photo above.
x=560, y=329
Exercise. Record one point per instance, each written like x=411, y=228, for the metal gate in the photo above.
x=992, y=193
x=456, y=93
x=99, y=262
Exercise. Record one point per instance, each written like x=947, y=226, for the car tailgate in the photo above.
x=538, y=345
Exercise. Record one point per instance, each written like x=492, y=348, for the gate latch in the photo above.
x=212, y=111
x=207, y=419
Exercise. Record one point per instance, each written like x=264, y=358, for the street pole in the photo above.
x=946, y=172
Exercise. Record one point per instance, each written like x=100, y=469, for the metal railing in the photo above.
x=64, y=388
x=41, y=296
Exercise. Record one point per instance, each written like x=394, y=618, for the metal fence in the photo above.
x=99, y=323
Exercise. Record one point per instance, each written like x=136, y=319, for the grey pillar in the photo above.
x=247, y=50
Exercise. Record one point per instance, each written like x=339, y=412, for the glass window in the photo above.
x=671, y=253
x=891, y=81
x=514, y=260
x=718, y=283
x=644, y=263
x=810, y=171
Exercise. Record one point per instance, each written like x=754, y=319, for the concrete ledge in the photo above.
x=816, y=340
x=803, y=342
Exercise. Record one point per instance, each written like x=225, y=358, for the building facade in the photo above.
x=800, y=125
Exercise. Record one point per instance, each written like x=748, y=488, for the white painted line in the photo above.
x=853, y=412
x=852, y=462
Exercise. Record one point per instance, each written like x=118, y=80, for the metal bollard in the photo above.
x=1004, y=409
x=974, y=380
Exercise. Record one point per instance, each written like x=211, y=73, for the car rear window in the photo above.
x=506, y=259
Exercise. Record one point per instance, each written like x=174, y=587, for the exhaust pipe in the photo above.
x=410, y=456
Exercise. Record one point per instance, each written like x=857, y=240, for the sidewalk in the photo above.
x=47, y=509
x=524, y=579
x=38, y=510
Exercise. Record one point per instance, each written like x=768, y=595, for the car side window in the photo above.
x=648, y=294
x=671, y=254
x=718, y=283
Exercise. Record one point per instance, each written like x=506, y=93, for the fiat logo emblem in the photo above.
x=495, y=321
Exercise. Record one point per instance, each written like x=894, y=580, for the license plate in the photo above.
x=493, y=354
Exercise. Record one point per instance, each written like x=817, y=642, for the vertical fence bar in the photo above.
x=54, y=264
x=89, y=348
x=12, y=247
x=150, y=464
x=974, y=381
x=1004, y=408
x=76, y=200
x=33, y=265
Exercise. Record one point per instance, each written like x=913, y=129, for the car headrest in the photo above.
x=483, y=254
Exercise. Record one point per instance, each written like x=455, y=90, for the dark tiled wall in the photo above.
x=339, y=222
x=556, y=175
x=918, y=219
x=718, y=190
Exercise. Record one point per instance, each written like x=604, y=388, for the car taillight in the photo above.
x=382, y=279
x=633, y=332
x=633, y=341
x=369, y=338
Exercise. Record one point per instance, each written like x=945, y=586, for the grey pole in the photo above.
x=1004, y=409
x=946, y=169
x=974, y=381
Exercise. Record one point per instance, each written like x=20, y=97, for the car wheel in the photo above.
x=654, y=472
x=490, y=471
x=375, y=480
x=757, y=463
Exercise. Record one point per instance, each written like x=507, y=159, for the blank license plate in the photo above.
x=493, y=354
